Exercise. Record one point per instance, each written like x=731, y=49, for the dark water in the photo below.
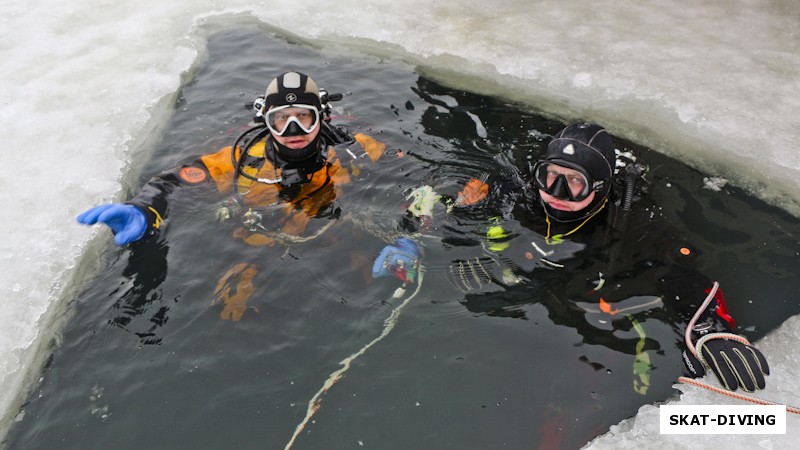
x=147, y=363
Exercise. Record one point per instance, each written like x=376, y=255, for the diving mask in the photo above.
x=565, y=180
x=292, y=120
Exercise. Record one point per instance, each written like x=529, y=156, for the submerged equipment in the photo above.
x=400, y=260
x=423, y=200
x=474, y=192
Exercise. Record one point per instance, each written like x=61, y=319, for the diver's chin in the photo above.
x=296, y=143
x=560, y=205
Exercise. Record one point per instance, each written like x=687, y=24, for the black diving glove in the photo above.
x=733, y=360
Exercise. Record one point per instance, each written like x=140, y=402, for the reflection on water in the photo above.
x=472, y=362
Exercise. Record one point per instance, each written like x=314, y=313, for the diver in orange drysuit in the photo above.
x=295, y=161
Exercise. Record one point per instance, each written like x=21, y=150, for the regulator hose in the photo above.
x=633, y=172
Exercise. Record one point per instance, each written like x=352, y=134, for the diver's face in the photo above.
x=576, y=182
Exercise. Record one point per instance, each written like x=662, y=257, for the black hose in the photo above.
x=633, y=172
x=238, y=163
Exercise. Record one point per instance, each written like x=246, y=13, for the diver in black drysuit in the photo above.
x=563, y=238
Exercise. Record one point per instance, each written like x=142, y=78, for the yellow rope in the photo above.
x=316, y=401
x=557, y=239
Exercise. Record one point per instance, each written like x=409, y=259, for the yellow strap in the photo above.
x=159, y=219
x=559, y=238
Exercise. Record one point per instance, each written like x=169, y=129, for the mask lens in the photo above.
x=305, y=116
x=561, y=182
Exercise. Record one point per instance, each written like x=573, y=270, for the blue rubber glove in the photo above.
x=400, y=260
x=126, y=221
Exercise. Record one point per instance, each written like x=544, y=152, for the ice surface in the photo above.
x=85, y=84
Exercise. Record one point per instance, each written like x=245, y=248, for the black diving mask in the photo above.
x=564, y=180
